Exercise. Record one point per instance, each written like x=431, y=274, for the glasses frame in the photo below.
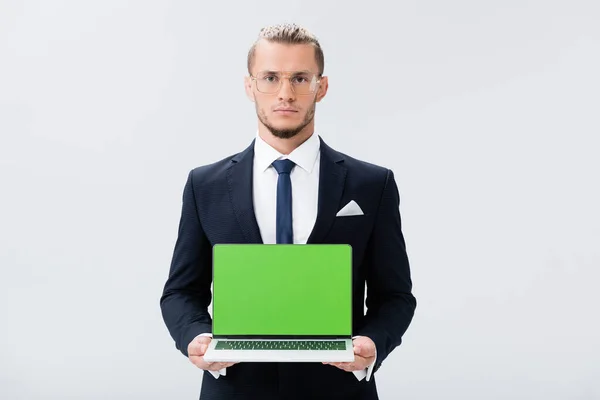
x=288, y=76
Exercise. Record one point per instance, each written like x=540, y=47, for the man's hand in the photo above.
x=196, y=350
x=364, y=355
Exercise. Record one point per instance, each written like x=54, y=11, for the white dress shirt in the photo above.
x=305, y=198
x=305, y=188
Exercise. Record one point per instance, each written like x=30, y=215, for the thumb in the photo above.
x=358, y=349
x=197, y=348
x=363, y=350
x=203, y=348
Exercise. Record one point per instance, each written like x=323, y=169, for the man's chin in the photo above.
x=285, y=132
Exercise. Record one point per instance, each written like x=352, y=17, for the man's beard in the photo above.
x=288, y=132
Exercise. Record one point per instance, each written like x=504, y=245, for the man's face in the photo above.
x=286, y=112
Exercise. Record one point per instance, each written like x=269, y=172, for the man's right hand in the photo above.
x=196, y=350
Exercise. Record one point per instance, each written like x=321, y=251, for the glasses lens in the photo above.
x=267, y=82
x=304, y=83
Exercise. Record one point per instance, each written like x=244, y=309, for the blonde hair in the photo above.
x=288, y=33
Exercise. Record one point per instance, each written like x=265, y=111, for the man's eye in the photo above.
x=270, y=78
x=300, y=79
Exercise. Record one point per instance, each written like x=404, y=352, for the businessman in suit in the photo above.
x=289, y=186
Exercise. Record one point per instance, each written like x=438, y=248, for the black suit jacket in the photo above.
x=218, y=208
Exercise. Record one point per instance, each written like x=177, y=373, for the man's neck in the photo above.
x=285, y=146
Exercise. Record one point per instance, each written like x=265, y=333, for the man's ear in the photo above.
x=248, y=88
x=323, y=87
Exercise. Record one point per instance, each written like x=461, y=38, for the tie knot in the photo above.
x=283, y=166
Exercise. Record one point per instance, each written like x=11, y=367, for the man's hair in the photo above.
x=288, y=34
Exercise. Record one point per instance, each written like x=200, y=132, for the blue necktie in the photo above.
x=284, y=231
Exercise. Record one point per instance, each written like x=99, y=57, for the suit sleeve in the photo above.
x=390, y=303
x=186, y=294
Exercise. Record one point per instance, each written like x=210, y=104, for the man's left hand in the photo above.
x=364, y=355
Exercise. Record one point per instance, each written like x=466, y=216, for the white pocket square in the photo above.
x=350, y=209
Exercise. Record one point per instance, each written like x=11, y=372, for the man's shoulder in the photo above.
x=361, y=164
x=214, y=170
x=363, y=168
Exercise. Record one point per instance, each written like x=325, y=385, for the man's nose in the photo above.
x=286, y=92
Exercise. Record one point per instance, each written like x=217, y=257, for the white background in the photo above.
x=487, y=112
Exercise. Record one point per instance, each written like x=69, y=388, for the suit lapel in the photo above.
x=332, y=176
x=239, y=180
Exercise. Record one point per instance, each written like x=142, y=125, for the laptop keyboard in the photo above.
x=280, y=345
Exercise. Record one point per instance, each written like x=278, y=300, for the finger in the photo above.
x=364, y=351
x=197, y=349
x=360, y=363
x=228, y=364
x=343, y=366
x=352, y=366
x=217, y=366
x=199, y=362
x=348, y=367
x=360, y=349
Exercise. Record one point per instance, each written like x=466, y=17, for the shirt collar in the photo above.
x=303, y=156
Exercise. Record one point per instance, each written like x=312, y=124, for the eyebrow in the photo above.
x=292, y=72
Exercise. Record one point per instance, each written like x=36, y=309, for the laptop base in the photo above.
x=253, y=355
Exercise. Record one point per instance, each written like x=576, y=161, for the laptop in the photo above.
x=281, y=303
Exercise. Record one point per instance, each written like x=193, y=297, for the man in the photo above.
x=237, y=200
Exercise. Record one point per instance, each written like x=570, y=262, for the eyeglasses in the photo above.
x=302, y=83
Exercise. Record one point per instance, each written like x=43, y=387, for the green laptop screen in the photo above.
x=265, y=289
